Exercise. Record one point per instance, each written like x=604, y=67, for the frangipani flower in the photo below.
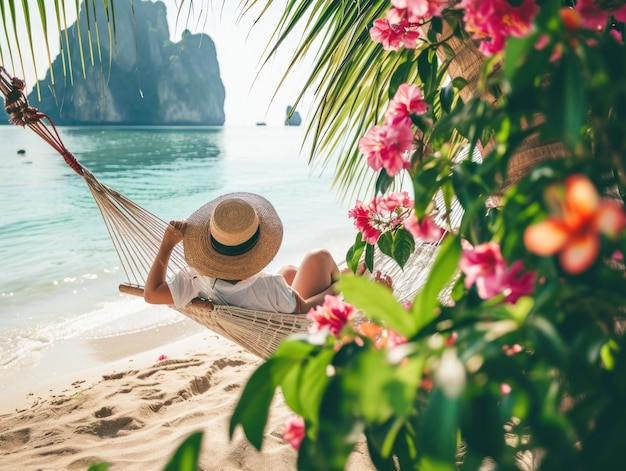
x=578, y=218
x=294, y=431
x=485, y=267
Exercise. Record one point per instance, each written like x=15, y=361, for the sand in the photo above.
x=133, y=413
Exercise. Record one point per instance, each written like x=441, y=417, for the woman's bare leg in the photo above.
x=289, y=273
x=317, y=272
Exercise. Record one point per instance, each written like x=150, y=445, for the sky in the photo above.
x=240, y=44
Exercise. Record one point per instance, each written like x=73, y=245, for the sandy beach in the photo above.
x=134, y=412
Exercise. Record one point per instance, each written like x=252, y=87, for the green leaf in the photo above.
x=446, y=96
x=355, y=252
x=403, y=246
x=98, y=467
x=459, y=83
x=482, y=427
x=383, y=182
x=424, y=70
x=439, y=432
x=369, y=257
x=391, y=388
x=401, y=75
x=608, y=353
x=377, y=302
x=425, y=304
x=252, y=409
x=304, y=386
x=398, y=245
x=425, y=185
x=574, y=100
x=187, y=454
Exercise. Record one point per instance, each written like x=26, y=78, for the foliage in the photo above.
x=524, y=355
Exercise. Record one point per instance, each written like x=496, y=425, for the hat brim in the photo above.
x=204, y=259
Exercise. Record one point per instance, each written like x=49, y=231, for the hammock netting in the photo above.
x=136, y=236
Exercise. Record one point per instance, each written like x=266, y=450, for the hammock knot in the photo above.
x=14, y=106
x=32, y=115
x=18, y=84
x=71, y=160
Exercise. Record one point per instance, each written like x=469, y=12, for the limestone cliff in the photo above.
x=147, y=80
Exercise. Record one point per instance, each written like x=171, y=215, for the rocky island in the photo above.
x=146, y=79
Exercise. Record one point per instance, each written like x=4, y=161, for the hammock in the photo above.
x=136, y=235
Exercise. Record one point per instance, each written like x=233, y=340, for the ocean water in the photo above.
x=59, y=277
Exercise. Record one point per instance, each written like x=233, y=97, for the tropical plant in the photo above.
x=523, y=354
x=512, y=352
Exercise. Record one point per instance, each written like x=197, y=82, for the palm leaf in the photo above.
x=351, y=76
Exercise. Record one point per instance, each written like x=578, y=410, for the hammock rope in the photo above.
x=136, y=236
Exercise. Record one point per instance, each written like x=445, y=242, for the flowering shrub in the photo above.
x=389, y=222
x=512, y=352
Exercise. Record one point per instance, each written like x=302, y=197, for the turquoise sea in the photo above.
x=59, y=277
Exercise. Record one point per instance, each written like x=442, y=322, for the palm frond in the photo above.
x=351, y=76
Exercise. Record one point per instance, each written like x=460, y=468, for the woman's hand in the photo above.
x=174, y=233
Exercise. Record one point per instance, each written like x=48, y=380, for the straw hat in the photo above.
x=232, y=237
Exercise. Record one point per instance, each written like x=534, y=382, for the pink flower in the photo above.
x=484, y=267
x=493, y=21
x=615, y=34
x=162, y=357
x=544, y=41
x=420, y=10
x=451, y=340
x=294, y=431
x=514, y=350
x=382, y=214
x=516, y=283
x=425, y=230
x=592, y=15
x=394, y=339
x=505, y=389
x=333, y=314
x=362, y=217
x=408, y=100
x=393, y=36
x=386, y=146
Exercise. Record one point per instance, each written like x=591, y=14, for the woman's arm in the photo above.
x=156, y=290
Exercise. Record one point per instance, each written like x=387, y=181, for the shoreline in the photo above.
x=69, y=365
x=133, y=414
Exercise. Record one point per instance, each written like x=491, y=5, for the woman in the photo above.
x=227, y=243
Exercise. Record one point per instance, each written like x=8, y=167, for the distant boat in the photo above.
x=293, y=117
x=261, y=123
